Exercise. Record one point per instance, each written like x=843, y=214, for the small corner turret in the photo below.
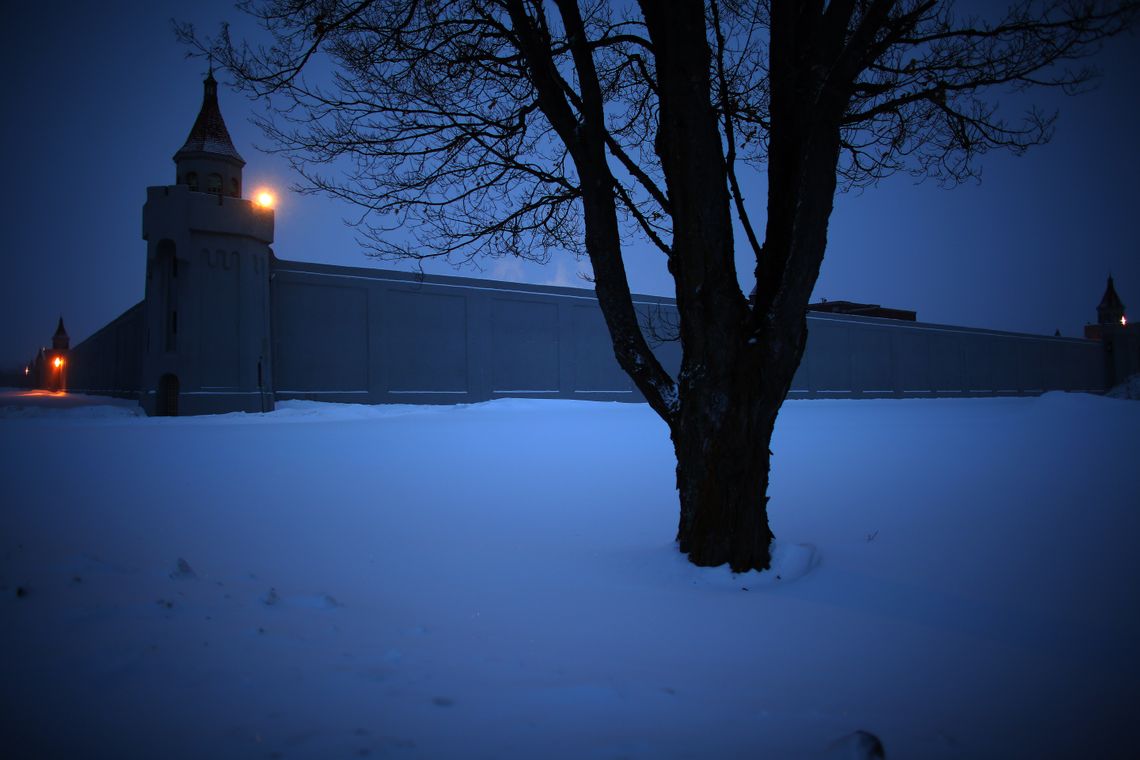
x=1110, y=311
x=208, y=162
x=1120, y=339
x=48, y=370
x=61, y=341
x=1110, y=314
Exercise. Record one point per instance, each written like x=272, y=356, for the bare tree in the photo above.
x=521, y=127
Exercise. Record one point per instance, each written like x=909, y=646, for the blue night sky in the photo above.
x=98, y=100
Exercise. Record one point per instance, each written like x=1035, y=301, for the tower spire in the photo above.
x=208, y=161
x=60, y=340
x=1111, y=308
x=209, y=133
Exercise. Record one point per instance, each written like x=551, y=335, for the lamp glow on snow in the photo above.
x=265, y=199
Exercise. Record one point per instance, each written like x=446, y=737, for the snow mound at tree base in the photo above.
x=1129, y=389
x=790, y=562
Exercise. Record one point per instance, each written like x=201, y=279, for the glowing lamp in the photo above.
x=58, y=362
x=265, y=199
x=1123, y=321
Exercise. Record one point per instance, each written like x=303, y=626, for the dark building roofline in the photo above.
x=863, y=310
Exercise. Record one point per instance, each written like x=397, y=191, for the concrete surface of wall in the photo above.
x=375, y=336
x=109, y=362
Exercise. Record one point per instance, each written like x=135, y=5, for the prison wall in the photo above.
x=109, y=362
x=376, y=336
x=864, y=357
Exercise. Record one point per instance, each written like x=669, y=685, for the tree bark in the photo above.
x=722, y=443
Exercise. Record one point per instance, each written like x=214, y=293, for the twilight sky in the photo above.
x=99, y=98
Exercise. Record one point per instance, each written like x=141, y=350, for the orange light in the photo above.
x=58, y=362
x=265, y=199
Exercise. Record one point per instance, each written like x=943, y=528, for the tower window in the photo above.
x=214, y=183
x=192, y=180
x=235, y=187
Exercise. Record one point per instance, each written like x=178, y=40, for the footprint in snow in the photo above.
x=312, y=601
x=858, y=745
x=183, y=571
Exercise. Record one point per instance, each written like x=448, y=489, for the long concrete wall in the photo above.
x=109, y=362
x=850, y=356
x=373, y=336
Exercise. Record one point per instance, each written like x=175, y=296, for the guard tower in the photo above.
x=49, y=368
x=1110, y=310
x=1121, y=340
x=207, y=316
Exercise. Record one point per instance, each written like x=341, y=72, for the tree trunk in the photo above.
x=722, y=478
x=729, y=393
x=722, y=438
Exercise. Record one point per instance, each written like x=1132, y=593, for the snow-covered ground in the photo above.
x=958, y=577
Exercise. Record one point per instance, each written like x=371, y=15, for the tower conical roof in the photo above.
x=209, y=133
x=1111, y=308
x=60, y=341
x=1111, y=300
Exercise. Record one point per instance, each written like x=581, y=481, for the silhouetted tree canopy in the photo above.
x=522, y=127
